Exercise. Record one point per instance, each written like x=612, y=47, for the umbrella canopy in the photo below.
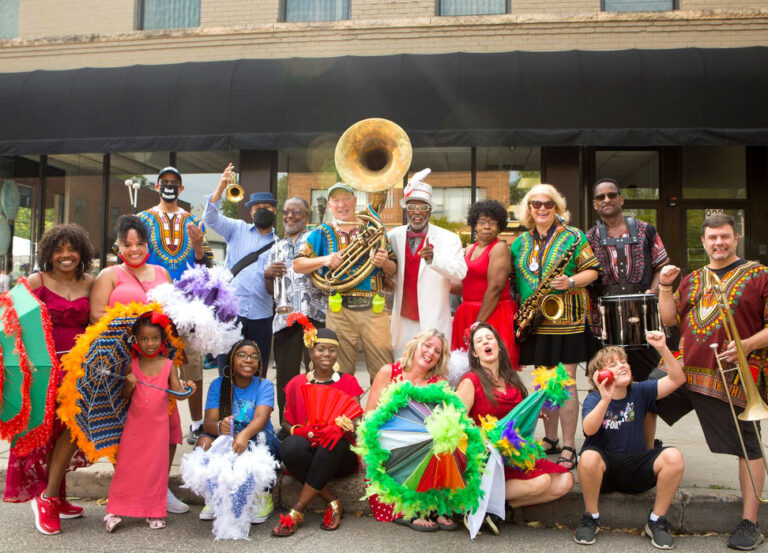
x=29, y=375
x=91, y=403
x=422, y=452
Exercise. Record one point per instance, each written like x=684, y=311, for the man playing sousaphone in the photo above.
x=695, y=308
x=360, y=314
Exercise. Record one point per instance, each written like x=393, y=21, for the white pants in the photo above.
x=409, y=329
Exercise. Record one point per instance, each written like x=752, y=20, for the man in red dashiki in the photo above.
x=695, y=309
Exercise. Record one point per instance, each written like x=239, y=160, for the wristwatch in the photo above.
x=572, y=282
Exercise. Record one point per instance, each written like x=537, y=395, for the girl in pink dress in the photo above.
x=64, y=255
x=424, y=361
x=492, y=387
x=140, y=483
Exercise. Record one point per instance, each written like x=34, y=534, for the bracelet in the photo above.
x=294, y=428
x=665, y=288
x=218, y=427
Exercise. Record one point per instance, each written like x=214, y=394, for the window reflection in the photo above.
x=636, y=171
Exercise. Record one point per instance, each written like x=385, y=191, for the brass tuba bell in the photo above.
x=373, y=155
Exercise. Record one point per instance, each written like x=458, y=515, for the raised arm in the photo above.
x=667, y=304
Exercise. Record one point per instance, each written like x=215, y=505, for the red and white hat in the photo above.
x=418, y=190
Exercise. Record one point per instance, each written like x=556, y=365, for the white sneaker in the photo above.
x=206, y=513
x=175, y=505
x=261, y=512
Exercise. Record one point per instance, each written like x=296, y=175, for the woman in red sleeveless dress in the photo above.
x=424, y=361
x=491, y=387
x=63, y=285
x=485, y=291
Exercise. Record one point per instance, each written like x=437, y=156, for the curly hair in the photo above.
x=523, y=213
x=506, y=371
x=78, y=239
x=441, y=368
x=603, y=358
x=127, y=223
x=489, y=208
x=228, y=378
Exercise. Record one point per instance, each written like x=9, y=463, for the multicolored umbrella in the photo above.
x=28, y=370
x=91, y=403
x=422, y=452
x=513, y=435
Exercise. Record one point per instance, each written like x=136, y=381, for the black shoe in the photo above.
x=588, y=527
x=659, y=533
x=493, y=523
x=746, y=536
x=194, y=434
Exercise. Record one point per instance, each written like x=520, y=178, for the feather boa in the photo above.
x=405, y=500
x=11, y=327
x=234, y=486
x=212, y=287
x=196, y=320
x=458, y=366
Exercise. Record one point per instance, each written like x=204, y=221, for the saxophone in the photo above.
x=544, y=303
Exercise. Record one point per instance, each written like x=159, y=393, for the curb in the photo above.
x=693, y=510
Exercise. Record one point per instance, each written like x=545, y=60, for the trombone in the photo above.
x=755, y=408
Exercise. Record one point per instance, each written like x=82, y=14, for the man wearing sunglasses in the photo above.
x=428, y=259
x=631, y=256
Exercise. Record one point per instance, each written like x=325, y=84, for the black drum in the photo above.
x=626, y=319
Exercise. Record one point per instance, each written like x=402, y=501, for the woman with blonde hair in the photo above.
x=424, y=361
x=564, y=339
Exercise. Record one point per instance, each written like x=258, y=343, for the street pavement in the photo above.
x=356, y=534
x=708, y=500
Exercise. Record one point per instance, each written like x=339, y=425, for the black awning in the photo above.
x=616, y=98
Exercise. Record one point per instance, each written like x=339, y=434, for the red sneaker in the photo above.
x=46, y=515
x=66, y=509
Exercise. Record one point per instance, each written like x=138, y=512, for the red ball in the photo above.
x=604, y=376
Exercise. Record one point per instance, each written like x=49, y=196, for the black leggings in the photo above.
x=316, y=466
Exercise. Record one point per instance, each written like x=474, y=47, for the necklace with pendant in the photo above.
x=534, y=264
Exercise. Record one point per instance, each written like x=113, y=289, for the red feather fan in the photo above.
x=324, y=404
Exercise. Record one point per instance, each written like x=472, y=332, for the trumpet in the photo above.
x=282, y=305
x=235, y=192
x=755, y=408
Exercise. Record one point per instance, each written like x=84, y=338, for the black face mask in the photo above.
x=169, y=193
x=263, y=218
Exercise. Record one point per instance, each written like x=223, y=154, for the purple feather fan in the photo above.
x=212, y=287
x=510, y=433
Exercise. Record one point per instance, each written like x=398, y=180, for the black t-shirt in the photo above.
x=722, y=272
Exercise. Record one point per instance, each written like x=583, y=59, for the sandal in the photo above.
x=288, y=524
x=419, y=528
x=573, y=461
x=332, y=517
x=111, y=521
x=553, y=448
x=156, y=523
x=450, y=527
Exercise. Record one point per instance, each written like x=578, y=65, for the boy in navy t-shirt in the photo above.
x=614, y=457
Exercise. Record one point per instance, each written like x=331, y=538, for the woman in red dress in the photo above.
x=485, y=291
x=491, y=387
x=63, y=285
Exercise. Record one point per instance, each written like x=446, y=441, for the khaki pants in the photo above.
x=371, y=328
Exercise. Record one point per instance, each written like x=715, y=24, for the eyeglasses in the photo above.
x=538, y=204
x=417, y=208
x=294, y=212
x=242, y=356
x=609, y=195
x=169, y=182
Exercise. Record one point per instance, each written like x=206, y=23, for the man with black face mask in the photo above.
x=255, y=302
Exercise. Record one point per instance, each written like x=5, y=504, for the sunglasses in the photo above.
x=538, y=204
x=417, y=208
x=609, y=195
x=169, y=182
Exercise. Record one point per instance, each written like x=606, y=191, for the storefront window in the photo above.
x=714, y=172
x=138, y=167
x=308, y=173
x=647, y=215
x=505, y=174
x=695, y=255
x=638, y=5
x=636, y=171
x=18, y=236
x=315, y=10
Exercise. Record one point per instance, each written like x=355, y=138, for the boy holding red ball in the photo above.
x=614, y=457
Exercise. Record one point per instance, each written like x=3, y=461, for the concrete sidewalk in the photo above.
x=709, y=499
